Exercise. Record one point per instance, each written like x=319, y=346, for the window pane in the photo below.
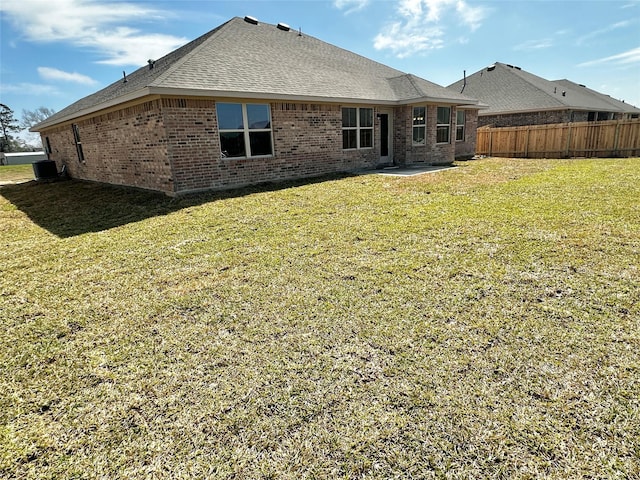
x=460, y=117
x=258, y=116
x=366, y=117
x=444, y=115
x=419, y=116
x=349, y=139
x=442, y=135
x=366, y=138
x=232, y=144
x=418, y=135
x=349, y=117
x=460, y=133
x=260, y=143
x=229, y=116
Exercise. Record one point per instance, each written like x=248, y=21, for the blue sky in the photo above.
x=54, y=52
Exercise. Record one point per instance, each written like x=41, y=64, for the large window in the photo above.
x=443, y=125
x=460, y=120
x=357, y=128
x=419, y=125
x=76, y=139
x=245, y=129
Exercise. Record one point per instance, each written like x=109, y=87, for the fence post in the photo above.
x=491, y=141
x=566, y=150
x=616, y=139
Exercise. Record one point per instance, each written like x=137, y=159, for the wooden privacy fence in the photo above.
x=612, y=138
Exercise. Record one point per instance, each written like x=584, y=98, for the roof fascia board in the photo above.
x=302, y=98
x=163, y=91
x=441, y=100
x=190, y=92
x=554, y=109
x=143, y=92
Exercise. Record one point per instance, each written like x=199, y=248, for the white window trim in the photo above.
x=443, y=125
x=424, y=125
x=246, y=130
x=463, y=125
x=358, y=128
x=78, y=143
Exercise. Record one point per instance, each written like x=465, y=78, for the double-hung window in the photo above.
x=460, y=120
x=76, y=139
x=419, y=125
x=443, y=125
x=357, y=128
x=245, y=129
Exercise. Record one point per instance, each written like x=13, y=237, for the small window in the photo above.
x=245, y=130
x=460, y=119
x=419, y=125
x=443, y=125
x=591, y=117
x=76, y=139
x=357, y=128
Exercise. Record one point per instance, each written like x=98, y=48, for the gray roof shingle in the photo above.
x=509, y=89
x=262, y=61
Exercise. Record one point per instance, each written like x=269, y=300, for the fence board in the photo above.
x=613, y=138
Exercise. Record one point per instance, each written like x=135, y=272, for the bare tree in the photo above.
x=31, y=118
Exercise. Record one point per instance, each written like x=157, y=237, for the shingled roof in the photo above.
x=509, y=89
x=252, y=60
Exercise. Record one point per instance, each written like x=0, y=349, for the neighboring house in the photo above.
x=21, y=158
x=516, y=98
x=250, y=102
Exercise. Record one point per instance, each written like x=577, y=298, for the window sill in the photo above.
x=247, y=158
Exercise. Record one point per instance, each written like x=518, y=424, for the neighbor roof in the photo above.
x=509, y=89
x=263, y=61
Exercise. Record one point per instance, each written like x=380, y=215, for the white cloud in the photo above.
x=534, y=44
x=404, y=41
x=630, y=57
x=350, y=5
x=422, y=26
x=96, y=25
x=602, y=31
x=49, y=73
x=29, y=89
x=471, y=16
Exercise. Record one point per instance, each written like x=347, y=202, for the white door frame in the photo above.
x=388, y=159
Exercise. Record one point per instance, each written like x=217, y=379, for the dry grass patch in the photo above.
x=480, y=322
x=16, y=173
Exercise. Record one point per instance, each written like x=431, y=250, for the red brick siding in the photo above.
x=307, y=141
x=124, y=147
x=467, y=147
x=193, y=142
x=172, y=145
x=431, y=153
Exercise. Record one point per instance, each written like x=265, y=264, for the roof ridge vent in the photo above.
x=284, y=27
x=491, y=68
x=251, y=20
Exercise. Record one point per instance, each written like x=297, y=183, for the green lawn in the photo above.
x=479, y=322
x=16, y=173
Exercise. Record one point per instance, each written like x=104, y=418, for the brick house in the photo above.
x=250, y=102
x=517, y=98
